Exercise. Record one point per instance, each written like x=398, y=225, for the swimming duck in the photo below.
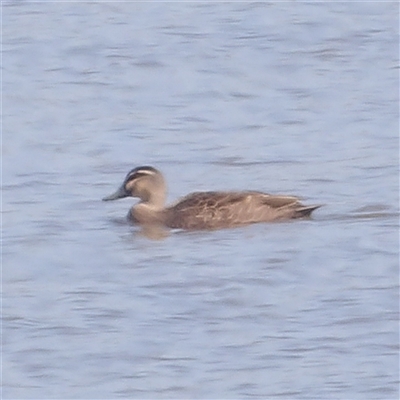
x=203, y=210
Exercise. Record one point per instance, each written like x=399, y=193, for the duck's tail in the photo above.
x=305, y=211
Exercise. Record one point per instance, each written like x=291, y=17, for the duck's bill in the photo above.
x=119, y=194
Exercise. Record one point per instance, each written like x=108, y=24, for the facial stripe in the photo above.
x=145, y=172
x=139, y=172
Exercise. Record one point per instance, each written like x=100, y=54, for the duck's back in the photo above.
x=213, y=210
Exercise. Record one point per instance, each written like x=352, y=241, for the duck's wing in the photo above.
x=278, y=201
x=288, y=207
x=211, y=210
x=200, y=200
x=204, y=210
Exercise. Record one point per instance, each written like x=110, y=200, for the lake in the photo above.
x=291, y=98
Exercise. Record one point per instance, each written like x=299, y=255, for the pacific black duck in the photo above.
x=203, y=210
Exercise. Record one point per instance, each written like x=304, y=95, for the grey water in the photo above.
x=284, y=97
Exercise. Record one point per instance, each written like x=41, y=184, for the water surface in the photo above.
x=286, y=98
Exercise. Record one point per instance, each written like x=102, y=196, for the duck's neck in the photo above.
x=147, y=213
x=154, y=201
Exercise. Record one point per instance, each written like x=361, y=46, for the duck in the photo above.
x=203, y=210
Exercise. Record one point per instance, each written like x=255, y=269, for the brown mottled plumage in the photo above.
x=203, y=210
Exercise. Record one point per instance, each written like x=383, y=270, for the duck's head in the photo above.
x=146, y=183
